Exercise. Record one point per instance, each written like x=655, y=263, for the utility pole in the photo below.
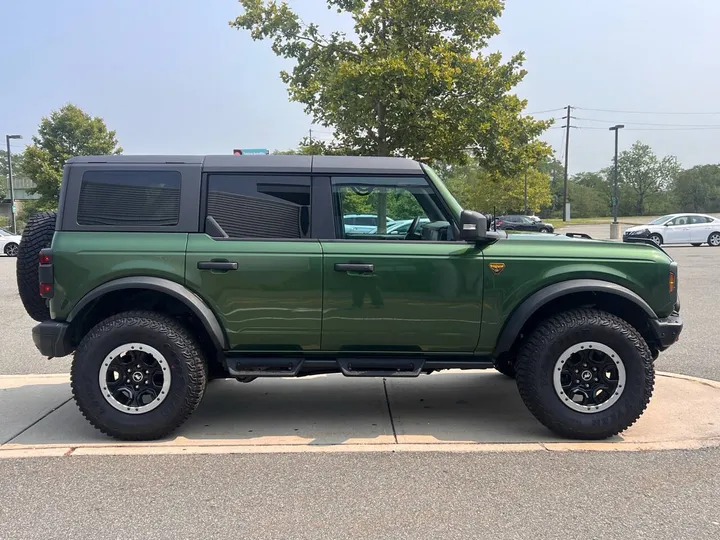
x=615, y=227
x=10, y=182
x=311, y=141
x=567, y=147
x=526, y=207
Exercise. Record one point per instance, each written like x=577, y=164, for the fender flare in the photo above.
x=530, y=305
x=193, y=302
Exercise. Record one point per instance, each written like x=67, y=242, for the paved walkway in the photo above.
x=478, y=411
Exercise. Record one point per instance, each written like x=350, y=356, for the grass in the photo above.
x=624, y=220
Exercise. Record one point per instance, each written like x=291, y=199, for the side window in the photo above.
x=257, y=206
x=403, y=200
x=137, y=198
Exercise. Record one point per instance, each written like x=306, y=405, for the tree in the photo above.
x=412, y=81
x=17, y=160
x=698, y=189
x=476, y=189
x=66, y=133
x=641, y=170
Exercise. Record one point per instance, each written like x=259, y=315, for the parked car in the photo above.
x=695, y=229
x=161, y=273
x=523, y=223
x=9, y=243
x=363, y=223
x=402, y=226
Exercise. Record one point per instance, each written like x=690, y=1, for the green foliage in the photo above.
x=698, y=189
x=476, y=189
x=647, y=175
x=66, y=133
x=412, y=81
x=17, y=161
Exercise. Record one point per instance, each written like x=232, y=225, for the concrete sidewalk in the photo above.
x=451, y=411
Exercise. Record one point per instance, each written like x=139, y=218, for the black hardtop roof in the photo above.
x=270, y=163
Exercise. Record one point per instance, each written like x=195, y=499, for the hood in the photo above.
x=637, y=228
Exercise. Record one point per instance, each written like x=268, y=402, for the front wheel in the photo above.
x=657, y=239
x=138, y=375
x=544, y=230
x=585, y=374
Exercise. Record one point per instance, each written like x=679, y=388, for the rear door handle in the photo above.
x=217, y=265
x=354, y=267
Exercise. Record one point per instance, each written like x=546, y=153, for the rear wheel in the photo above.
x=714, y=239
x=11, y=249
x=38, y=234
x=138, y=375
x=585, y=374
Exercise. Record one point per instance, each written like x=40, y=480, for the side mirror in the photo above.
x=667, y=224
x=473, y=226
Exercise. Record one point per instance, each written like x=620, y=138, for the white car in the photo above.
x=695, y=229
x=9, y=243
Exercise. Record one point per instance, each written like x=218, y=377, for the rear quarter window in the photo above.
x=136, y=198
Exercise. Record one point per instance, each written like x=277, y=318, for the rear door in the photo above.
x=388, y=294
x=255, y=262
x=700, y=229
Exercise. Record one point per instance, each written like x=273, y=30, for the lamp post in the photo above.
x=615, y=226
x=10, y=181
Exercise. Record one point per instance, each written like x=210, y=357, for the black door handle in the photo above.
x=354, y=267
x=217, y=265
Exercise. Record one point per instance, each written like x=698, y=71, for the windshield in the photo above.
x=659, y=220
x=454, y=206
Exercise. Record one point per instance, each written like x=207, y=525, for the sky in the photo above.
x=171, y=77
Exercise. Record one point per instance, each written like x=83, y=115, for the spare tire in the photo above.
x=38, y=234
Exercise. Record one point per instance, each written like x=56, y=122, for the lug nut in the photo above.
x=587, y=386
x=595, y=379
x=136, y=387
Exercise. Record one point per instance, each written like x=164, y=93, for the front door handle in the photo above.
x=354, y=267
x=217, y=265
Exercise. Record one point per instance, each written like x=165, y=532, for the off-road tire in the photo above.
x=187, y=366
x=506, y=367
x=538, y=356
x=38, y=234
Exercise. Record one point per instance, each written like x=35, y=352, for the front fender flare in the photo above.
x=530, y=305
x=193, y=302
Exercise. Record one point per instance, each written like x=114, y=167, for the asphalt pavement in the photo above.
x=671, y=495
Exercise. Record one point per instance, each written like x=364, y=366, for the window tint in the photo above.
x=404, y=199
x=135, y=198
x=260, y=206
x=700, y=220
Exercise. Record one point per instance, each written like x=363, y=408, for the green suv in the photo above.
x=162, y=273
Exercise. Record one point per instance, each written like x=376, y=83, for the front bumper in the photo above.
x=51, y=339
x=667, y=330
x=637, y=236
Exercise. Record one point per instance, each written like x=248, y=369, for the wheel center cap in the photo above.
x=137, y=376
x=586, y=375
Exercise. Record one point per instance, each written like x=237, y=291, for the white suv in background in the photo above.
x=9, y=243
x=695, y=229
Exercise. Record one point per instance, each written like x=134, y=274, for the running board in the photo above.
x=381, y=367
x=263, y=367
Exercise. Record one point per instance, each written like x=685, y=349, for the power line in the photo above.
x=646, y=123
x=676, y=128
x=545, y=111
x=648, y=112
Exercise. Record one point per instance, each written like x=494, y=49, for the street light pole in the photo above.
x=526, y=208
x=10, y=181
x=615, y=228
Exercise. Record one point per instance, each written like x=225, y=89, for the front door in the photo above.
x=256, y=265
x=418, y=293
x=678, y=231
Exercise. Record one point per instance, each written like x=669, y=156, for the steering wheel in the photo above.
x=411, y=229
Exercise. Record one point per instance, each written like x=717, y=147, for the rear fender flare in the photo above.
x=537, y=300
x=194, y=303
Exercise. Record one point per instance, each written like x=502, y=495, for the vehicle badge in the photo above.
x=496, y=267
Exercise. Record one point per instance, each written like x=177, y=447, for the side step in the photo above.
x=263, y=367
x=381, y=367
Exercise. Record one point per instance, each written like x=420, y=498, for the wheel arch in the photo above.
x=557, y=297
x=105, y=298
